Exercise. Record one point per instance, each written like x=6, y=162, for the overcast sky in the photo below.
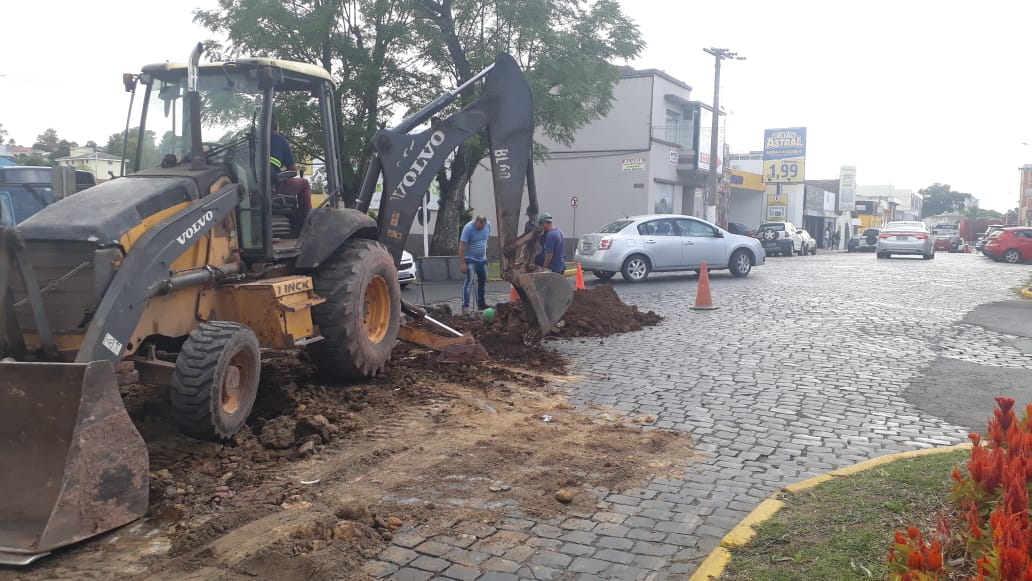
x=912, y=92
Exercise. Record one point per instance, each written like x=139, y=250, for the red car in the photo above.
x=1011, y=245
x=948, y=243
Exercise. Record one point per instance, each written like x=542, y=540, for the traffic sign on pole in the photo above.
x=573, y=201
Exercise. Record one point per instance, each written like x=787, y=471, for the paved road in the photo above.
x=809, y=364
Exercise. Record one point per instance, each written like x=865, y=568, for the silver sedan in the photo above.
x=639, y=245
x=906, y=238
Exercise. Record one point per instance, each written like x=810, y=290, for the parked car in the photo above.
x=1011, y=245
x=740, y=229
x=866, y=242
x=809, y=244
x=407, y=269
x=780, y=238
x=948, y=243
x=989, y=231
x=639, y=245
x=906, y=238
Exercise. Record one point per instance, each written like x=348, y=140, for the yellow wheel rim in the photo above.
x=377, y=319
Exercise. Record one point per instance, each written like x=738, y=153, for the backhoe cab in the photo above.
x=182, y=271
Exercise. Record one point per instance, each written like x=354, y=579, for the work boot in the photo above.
x=465, y=310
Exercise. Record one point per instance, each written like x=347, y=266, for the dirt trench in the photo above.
x=324, y=475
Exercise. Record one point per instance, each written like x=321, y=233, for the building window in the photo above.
x=673, y=126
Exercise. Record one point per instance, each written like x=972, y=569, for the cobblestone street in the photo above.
x=804, y=368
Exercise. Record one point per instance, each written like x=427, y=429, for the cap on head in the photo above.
x=544, y=217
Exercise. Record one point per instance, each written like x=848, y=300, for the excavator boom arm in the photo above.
x=408, y=163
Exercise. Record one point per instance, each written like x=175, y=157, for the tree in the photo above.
x=565, y=47
x=1011, y=217
x=151, y=156
x=3, y=133
x=939, y=199
x=47, y=141
x=92, y=145
x=33, y=159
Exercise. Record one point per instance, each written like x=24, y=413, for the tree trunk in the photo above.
x=448, y=227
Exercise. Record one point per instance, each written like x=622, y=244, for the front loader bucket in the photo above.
x=72, y=464
x=546, y=295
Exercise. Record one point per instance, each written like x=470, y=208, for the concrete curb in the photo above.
x=715, y=563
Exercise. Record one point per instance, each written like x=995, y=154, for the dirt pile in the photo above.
x=594, y=312
x=599, y=312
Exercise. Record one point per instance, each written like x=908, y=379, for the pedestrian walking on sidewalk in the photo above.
x=473, y=257
x=827, y=238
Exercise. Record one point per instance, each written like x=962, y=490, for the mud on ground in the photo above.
x=325, y=475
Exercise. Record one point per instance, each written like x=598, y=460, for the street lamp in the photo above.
x=711, y=187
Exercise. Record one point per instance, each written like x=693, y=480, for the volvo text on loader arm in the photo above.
x=181, y=272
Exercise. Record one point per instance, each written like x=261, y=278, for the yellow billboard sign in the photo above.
x=784, y=155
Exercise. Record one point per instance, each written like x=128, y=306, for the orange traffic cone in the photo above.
x=579, y=281
x=514, y=297
x=703, y=299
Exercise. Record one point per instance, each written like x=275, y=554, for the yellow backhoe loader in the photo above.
x=181, y=272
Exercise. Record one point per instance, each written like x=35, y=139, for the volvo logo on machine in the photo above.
x=417, y=167
x=195, y=228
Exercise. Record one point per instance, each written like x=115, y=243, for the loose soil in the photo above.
x=323, y=476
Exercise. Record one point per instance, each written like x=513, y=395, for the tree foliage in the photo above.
x=940, y=198
x=389, y=57
x=151, y=155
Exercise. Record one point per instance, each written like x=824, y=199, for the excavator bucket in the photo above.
x=546, y=296
x=72, y=464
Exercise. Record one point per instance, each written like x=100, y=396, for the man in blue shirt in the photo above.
x=473, y=254
x=281, y=159
x=553, y=247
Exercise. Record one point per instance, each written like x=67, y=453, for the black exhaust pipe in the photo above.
x=197, y=161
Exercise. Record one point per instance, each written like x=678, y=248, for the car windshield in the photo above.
x=908, y=226
x=772, y=227
x=870, y=232
x=613, y=227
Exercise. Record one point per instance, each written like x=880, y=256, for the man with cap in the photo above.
x=553, y=246
x=473, y=257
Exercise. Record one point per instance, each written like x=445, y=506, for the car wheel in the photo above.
x=813, y=251
x=636, y=268
x=880, y=255
x=740, y=263
x=927, y=256
x=603, y=274
x=403, y=285
x=1012, y=256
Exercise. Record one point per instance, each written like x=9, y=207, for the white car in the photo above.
x=407, y=269
x=808, y=244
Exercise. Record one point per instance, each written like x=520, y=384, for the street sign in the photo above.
x=573, y=201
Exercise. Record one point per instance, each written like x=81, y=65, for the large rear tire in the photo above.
x=360, y=318
x=215, y=381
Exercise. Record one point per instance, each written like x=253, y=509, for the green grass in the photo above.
x=842, y=529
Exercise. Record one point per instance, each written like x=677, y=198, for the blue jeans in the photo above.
x=480, y=268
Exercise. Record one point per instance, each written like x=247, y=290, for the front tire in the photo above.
x=215, y=381
x=740, y=263
x=1012, y=256
x=603, y=274
x=359, y=320
x=636, y=268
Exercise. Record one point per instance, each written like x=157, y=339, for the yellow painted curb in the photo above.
x=1026, y=293
x=744, y=531
x=713, y=566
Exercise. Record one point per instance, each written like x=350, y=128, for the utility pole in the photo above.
x=711, y=185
